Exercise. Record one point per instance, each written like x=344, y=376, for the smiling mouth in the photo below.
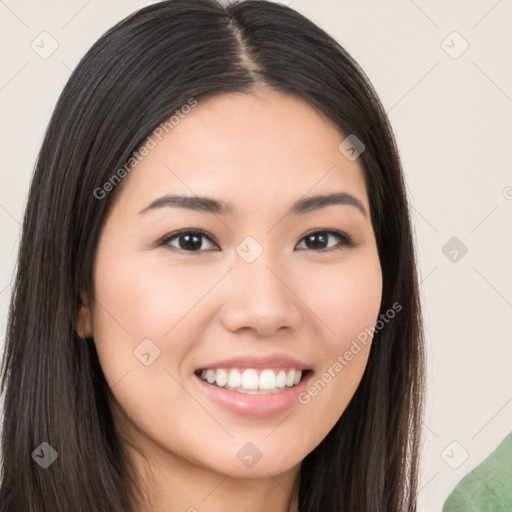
x=252, y=381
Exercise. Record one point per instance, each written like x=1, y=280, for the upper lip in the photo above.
x=257, y=362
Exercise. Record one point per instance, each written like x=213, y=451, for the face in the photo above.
x=263, y=287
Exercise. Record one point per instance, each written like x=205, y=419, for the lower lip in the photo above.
x=255, y=406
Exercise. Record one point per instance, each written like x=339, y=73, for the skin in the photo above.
x=261, y=154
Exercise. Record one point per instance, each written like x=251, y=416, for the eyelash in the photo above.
x=345, y=240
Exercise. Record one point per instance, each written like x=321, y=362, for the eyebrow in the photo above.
x=210, y=205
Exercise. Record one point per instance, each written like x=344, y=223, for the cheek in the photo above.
x=346, y=298
x=359, y=302
x=145, y=296
x=348, y=302
x=137, y=301
x=353, y=304
x=151, y=308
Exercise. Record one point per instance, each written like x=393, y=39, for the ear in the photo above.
x=84, y=320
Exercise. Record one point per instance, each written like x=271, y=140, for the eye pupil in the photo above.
x=316, y=237
x=189, y=244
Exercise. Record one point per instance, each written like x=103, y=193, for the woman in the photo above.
x=216, y=305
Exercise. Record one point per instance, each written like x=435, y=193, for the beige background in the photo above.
x=453, y=121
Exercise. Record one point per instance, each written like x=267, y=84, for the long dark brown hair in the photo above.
x=132, y=79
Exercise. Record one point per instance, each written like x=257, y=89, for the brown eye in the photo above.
x=318, y=240
x=191, y=240
x=187, y=240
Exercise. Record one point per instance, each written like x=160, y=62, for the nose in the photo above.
x=260, y=298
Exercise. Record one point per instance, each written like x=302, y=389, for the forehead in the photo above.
x=245, y=149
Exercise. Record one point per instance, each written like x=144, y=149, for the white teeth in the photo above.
x=222, y=377
x=249, y=379
x=267, y=380
x=210, y=376
x=235, y=379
